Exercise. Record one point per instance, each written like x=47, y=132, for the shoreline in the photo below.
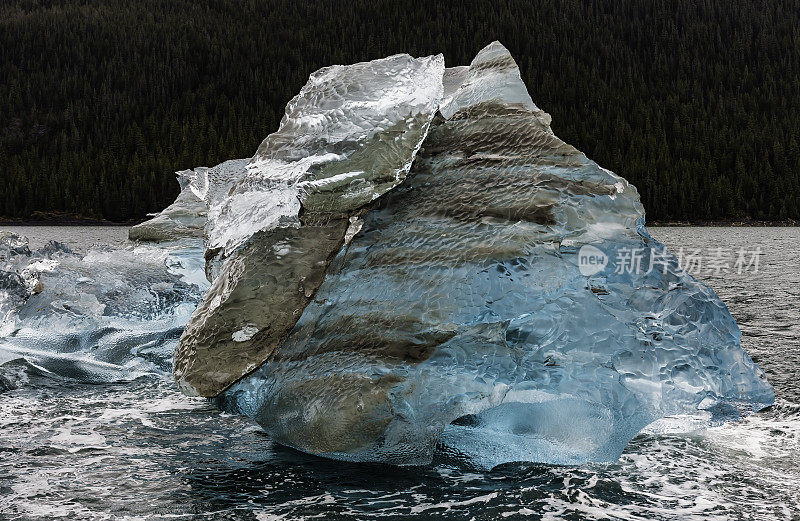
x=70, y=219
x=66, y=221
x=88, y=222
x=654, y=224
x=39, y=218
x=724, y=224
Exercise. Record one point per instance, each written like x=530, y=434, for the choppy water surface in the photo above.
x=78, y=238
x=141, y=450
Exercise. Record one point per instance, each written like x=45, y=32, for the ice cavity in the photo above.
x=456, y=320
x=112, y=314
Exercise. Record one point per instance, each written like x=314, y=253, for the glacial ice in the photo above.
x=201, y=188
x=111, y=314
x=348, y=137
x=396, y=275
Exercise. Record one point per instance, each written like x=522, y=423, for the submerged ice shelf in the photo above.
x=396, y=272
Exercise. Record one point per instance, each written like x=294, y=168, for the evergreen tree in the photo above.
x=696, y=103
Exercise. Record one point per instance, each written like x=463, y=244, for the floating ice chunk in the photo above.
x=201, y=188
x=399, y=281
x=183, y=218
x=112, y=314
x=458, y=317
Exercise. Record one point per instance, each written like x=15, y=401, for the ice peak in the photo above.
x=492, y=77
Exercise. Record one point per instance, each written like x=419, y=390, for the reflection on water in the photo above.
x=141, y=450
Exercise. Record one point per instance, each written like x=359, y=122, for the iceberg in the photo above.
x=415, y=266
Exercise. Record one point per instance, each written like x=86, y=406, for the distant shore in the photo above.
x=63, y=219
x=732, y=223
x=79, y=222
x=58, y=219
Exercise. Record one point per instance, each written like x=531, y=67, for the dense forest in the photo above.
x=697, y=102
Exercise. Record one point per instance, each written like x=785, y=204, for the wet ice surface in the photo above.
x=111, y=312
x=458, y=318
x=142, y=450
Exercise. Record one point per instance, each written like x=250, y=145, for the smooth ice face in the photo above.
x=458, y=316
x=112, y=314
x=350, y=135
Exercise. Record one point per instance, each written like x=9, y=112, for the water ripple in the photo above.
x=141, y=450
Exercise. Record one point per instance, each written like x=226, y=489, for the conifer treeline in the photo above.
x=695, y=102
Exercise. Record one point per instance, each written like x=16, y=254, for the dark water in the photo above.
x=141, y=450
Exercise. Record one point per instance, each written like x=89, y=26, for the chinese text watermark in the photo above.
x=709, y=261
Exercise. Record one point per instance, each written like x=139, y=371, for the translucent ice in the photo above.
x=201, y=188
x=112, y=314
x=349, y=136
x=453, y=313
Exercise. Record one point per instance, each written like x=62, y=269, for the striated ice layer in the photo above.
x=112, y=314
x=458, y=318
x=349, y=136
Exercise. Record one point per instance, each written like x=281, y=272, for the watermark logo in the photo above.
x=714, y=261
x=591, y=260
x=718, y=261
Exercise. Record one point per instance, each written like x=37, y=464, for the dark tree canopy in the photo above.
x=695, y=102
